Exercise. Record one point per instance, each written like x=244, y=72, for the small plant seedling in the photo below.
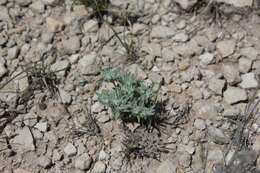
x=130, y=99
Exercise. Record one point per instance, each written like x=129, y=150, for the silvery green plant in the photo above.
x=130, y=99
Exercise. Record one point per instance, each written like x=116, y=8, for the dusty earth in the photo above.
x=205, y=55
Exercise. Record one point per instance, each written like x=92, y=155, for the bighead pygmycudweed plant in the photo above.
x=130, y=99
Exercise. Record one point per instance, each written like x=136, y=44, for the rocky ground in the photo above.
x=205, y=55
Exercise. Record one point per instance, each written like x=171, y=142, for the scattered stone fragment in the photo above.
x=3, y=38
x=231, y=73
x=60, y=67
x=250, y=52
x=212, y=33
x=99, y=167
x=138, y=28
x=186, y=4
x=89, y=64
x=181, y=37
x=42, y=126
x=215, y=155
x=19, y=170
x=226, y=47
x=3, y=69
x=50, y=2
x=24, y=139
x=238, y=3
x=44, y=162
x=248, y=81
x=56, y=155
x=217, y=85
x=137, y=71
x=72, y=45
x=234, y=95
x=231, y=112
x=243, y=160
x=207, y=58
x=54, y=25
x=83, y=162
x=206, y=109
x=256, y=144
x=200, y=124
x=103, y=156
x=155, y=77
x=217, y=135
x=258, y=163
x=245, y=65
x=90, y=26
x=47, y=37
x=181, y=24
x=37, y=7
x=70, y=150
x=184, y=159
x=24, y=2
x=188, y=50
x=4, y=15
x=65, y=96
x=190, y=148
x=13, y=53
x=162, y=32
x=153, y=49
x=166, y=166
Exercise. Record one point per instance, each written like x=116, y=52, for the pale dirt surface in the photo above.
x=205, y=55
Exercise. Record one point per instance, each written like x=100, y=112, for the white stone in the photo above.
x=166, y=166
x=89, y=64
x=190, y=148
x=42, y=126
x=186, y=4
x=249, y=81
x=256, y=144
x=3, y=69
x=103, y=156
x=217, y=135
x=99, y=167
x=24, y=2
x=71, y=45
x=181, y=37
x=234, y=95
x=226, y=47
x=44, y=162
x=65, y=96
x=238, y=3
x=231, y=73
x=83, y=162
x=24, y=139
x=162, y=32
x=50, y=2
x=250, y=52
x=70, y=149
x=90, y=26
x=200, y=124
x=207, y=58
x=181, y=24
x=217, y=85
x=54, y=25
x=137, y=71
x=13, y=52
x=245, y=65
x=37, y=7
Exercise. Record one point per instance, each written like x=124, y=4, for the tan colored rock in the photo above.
x=54, y=25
